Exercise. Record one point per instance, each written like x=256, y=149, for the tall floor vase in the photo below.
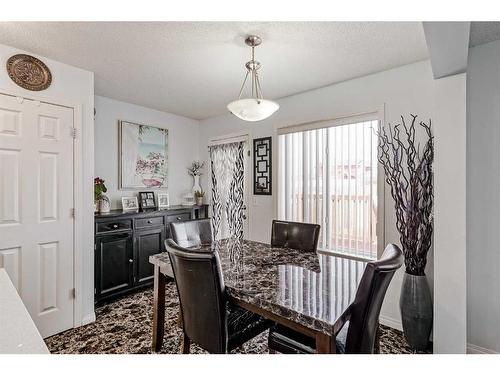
x=415, y=304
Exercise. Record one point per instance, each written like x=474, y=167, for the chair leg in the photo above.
x=186, y=344
x=179, y=321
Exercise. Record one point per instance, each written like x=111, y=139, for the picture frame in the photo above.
x=143, y=156
x=262, y=166
x=163, y=200
x=147, y=199
x=130, y=204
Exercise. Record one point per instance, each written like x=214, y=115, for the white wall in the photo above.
x=450, y=334
x=404, y=90
x=72, y=86
x=182, y=146
x=483, y=198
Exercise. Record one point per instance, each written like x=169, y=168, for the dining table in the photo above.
x=303, y=290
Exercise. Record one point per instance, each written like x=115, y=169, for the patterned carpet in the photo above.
x=124, y=327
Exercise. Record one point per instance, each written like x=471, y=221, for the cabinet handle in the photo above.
x=115, y=226
x=131, y=261
x=150, y=221
x=179, y=218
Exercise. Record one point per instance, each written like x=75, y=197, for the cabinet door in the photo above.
x=147, y=243
x=113, y=264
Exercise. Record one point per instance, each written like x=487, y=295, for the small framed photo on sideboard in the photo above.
x=147, y=199
x=129, y=203
x=163, y=200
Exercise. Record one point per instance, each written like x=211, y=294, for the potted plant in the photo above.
x=198, y=194
x=195, y=170
x=101, y=201
x=408, y=171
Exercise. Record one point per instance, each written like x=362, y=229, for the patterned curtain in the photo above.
x=227, y=190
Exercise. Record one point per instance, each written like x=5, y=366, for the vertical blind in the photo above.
x=328, y=176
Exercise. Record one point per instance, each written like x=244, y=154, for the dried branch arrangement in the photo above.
x=408, y=171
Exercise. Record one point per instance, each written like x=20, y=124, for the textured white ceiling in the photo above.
x=483, y=32
x=195, y=68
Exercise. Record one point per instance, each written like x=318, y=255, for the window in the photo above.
x=328, y=175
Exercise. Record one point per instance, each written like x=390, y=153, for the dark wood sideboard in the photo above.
x=123, y=243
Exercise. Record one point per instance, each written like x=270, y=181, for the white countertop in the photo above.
x=18, y=333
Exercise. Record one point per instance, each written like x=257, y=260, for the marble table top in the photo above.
x=312, y=289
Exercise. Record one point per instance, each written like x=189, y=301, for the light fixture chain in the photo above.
x=254, y=72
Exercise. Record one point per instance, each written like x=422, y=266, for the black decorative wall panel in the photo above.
x=262, y=166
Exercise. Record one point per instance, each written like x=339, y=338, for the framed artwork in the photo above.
x=262, y=166
x=129, y=203
x=143, y=156
x=147, y=199
x=163, y=200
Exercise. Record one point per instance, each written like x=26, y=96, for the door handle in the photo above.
x=131, y=261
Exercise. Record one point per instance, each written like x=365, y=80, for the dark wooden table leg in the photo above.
x=158, y=309
x=325, y=344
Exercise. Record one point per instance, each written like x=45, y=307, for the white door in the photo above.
x=36, y=201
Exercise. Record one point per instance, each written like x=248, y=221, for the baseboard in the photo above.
x=391, y=322
x=474, y=349
x=87, y=319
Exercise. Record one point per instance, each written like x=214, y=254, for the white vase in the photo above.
x=104, y=205
x=196, y=184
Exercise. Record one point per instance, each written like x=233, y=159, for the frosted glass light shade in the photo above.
x=253, y=109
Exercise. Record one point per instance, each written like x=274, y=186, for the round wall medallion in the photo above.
x=29, y=72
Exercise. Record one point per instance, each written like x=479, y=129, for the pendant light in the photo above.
x=255, y=108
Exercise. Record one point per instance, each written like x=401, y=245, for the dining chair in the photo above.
x=208, y=318
x=192, y=233
x=358, y=328
x=294, y=235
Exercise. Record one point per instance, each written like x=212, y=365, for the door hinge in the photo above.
x=326, y=220
x=248, y=152
x=73, y=293
x=95, y=290
x=74, y=133
x=95, y=246
x=72, y=212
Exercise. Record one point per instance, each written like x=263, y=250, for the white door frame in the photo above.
x=239, y=137
x=77, y=194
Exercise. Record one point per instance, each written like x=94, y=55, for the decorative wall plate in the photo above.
x=29, y=72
